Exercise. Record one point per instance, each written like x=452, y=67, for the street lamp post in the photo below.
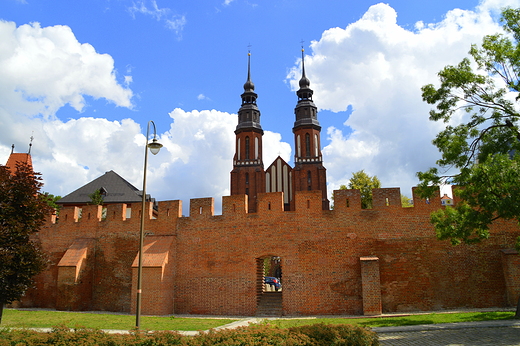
x=154, y=148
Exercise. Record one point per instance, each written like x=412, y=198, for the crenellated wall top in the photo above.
x=384, y=200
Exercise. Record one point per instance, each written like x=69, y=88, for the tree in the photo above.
x=22, y=212
x=51, y=200
x=364, y=183
x=482, y=153
x=405, y=201
x=96, y=197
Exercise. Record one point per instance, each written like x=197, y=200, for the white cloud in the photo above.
x=150, y=8
x=43, y=69
x=378, y=68
x=176, y=24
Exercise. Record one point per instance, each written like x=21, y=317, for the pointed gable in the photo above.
x=278, y=177
x=113, y=187
x=16, y=158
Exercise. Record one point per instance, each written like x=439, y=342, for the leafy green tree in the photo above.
x=364, y=183
x=51, y=200
x=482, y=153
x=405, y=201
x=22, y=212
x=96, y=197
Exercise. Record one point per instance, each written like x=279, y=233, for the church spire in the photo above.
x=308, y=172
x=304, y=81
x=306, y=111
x=248, y=175
x=248, y=114
x=249, y=86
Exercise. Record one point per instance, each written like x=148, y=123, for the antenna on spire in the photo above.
x=30, y=143
x=249, y=86
x=303, y=59
x=249, y=62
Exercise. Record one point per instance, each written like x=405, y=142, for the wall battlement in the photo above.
x=385, y=200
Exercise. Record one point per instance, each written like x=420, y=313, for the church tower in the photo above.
x=308, y=171
x=248, y=175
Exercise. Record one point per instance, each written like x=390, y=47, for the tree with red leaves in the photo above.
x=23, y=210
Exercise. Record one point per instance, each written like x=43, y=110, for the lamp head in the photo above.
x=154, y=146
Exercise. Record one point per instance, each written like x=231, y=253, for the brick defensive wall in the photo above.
x=347, y=261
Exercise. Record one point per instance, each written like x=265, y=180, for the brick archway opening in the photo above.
x=269, y=286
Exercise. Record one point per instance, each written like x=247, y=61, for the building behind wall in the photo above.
x=347, y=260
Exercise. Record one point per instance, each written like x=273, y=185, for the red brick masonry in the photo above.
x=343, y=261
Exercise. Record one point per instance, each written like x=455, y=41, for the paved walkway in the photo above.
x=487, y=333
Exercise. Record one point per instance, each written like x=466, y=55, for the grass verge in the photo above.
x=400, y=320
x=47, y=319
x=13, y=318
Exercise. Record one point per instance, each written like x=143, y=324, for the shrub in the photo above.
x=337, y=335
x=253, y=335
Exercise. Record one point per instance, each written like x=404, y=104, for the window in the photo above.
x=307, y=145
x=247, y=148
x=238, y=149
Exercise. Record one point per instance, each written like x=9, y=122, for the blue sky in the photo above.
x=84, y=78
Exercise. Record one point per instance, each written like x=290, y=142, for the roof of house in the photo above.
x=114, y=188
x=15, y=158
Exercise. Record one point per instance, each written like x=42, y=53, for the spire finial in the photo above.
x=249, y=64
x=30, y=143
x=12, y=148
x=304, y=81
x=249, y=86
x=303, y=61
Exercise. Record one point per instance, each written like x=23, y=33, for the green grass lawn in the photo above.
x=401, y=320
x=47, y=319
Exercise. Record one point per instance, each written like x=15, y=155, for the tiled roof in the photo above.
x=117, y=190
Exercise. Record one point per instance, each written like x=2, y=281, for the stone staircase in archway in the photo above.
x=270, y=305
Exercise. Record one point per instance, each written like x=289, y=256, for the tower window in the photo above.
x=309, y=180
x=316, y=145
x=307, y=145
x=247, y=178
x=238, y=149
x=247, y=148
